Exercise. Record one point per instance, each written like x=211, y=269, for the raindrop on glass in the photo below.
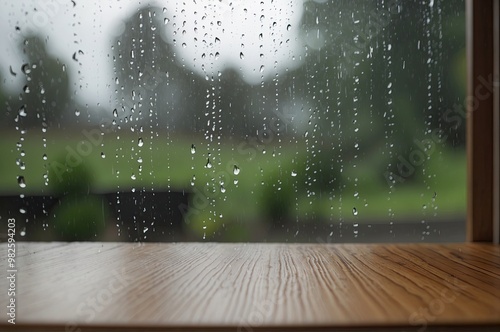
x=22, y=111
x=208, y=165
x=21, y=181
x=26, y=68
x=12, y=71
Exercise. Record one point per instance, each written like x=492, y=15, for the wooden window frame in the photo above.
x=483, y=121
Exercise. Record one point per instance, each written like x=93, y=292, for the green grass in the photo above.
x=167, y=163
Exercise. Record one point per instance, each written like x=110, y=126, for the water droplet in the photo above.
x=242, y=56
x=222, y=189
x=140, y=142
x=145, y=229
x=261, y=69
x=26, y=89
x=294, y=174
x=22, y=111
x=288, y=27
x=23, y=231
x=44, y=157
x=26, y=68
x=21, y=181
x=133, y=177
x=193, y=149
x=115, y=113
x=208, y=165
x=77, y=112
x=354, y=211
x=22, y=210
x=103, y=155
x=165, y=21
x=236, y=170
x=12, y=71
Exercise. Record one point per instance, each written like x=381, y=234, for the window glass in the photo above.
x=291, y=120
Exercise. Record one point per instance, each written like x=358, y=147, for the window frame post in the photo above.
x=482, y=121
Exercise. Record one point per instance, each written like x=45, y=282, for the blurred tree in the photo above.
x=151, y=84
x=3, y=103
x=386, y=74
x=45, y=94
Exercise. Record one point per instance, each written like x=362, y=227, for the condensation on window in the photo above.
x=287, y=120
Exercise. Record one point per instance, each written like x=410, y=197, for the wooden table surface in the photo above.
x=254, y=287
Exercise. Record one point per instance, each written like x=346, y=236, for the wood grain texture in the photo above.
x=255, y=287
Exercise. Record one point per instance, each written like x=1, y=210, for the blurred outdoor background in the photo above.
x=297, y=121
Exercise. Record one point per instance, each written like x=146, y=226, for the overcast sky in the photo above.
x=235, y=31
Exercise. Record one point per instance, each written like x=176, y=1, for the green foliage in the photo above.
x=80, y=218
x=66, y=180
x=79, y=215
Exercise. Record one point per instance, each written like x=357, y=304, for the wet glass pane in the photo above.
x=297, y=121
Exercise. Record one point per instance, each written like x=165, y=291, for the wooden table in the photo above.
x=254, y=287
